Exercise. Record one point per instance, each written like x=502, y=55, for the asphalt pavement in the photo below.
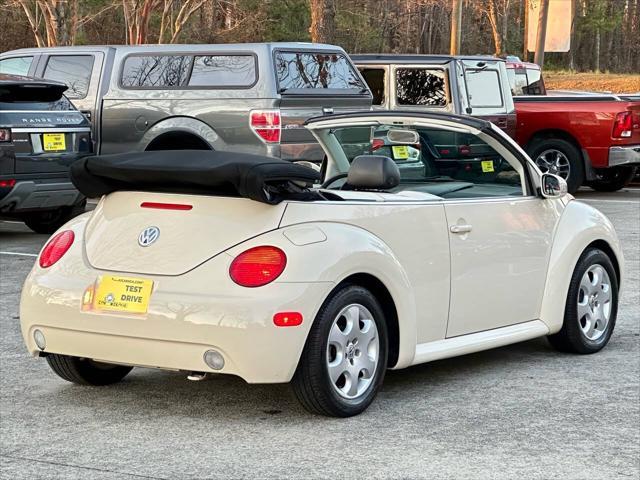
x=522, y=411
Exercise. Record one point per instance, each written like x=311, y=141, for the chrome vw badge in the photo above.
x=148, y=236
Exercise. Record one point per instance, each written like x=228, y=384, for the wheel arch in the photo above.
x=580, y=227
x=190, y=128
x=550, y=133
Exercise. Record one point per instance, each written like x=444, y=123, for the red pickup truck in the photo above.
x=589, y=139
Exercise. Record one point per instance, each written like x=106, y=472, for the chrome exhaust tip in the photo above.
x=196, y=376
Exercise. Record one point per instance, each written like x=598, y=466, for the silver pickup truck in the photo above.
x=243, y=97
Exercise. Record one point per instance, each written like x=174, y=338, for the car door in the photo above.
x=500, y=236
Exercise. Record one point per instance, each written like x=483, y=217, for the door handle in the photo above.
x=460, y=228
x=327, y=110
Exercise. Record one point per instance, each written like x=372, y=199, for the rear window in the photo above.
x=420, y=86
x=72, y=70
x=182, y=71
x=16, y=65
x=483, y=88
x=33, y=97
x=308, y=70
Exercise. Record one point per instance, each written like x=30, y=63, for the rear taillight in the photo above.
x=9, y=183
x=56, y=248
x=258, y=266
x=376, y=144
x=622, y=125
x=5, y=134
x=266, y=124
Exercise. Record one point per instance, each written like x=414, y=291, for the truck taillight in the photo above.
x=622, y=125
x=266, y=124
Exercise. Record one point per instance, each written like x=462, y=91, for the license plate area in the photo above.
x=54, y=142
x=117, y=294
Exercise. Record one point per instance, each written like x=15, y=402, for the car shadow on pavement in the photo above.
x=152, y=393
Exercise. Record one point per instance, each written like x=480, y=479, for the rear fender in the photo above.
x=579, y=226
x=187, y=125
x=332, y=252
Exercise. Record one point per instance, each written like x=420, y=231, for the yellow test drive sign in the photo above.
x=400, y=152
x=53, y=142
x=122, y=294
x=487, y=166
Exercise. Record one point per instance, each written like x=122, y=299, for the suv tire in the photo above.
x=84, y=371
x=613, y=179
x=48, y=221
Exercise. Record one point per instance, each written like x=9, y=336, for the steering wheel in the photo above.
x=333, y=179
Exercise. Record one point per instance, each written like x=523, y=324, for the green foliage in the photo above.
x=288, y=20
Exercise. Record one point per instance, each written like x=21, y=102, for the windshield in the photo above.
x=428, y=158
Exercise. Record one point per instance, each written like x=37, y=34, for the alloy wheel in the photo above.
x=353, y=351
x=594, y=302
x=555, y=162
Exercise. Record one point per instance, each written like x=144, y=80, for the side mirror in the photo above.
x=552, y=186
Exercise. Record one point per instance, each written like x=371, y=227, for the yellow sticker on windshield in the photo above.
x=487, y=166
x=400, y=152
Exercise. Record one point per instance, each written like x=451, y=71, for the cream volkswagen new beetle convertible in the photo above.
x=423, y=236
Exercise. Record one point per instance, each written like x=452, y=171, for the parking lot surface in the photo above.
x=523, y=411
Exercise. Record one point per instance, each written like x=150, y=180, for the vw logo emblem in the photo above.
x=148, y=236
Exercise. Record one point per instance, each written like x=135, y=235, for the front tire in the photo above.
x=345, y=357
x=86, y=372
x=560, y=157
x=591, y=307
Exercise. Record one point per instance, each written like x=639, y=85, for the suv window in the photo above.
x=444, y=163
x=155, y=71
x=419, y=86
x=300, y=70
x=16, y=65
x=23, y=96
x=223, y=71
x=72, y=70
x=483, y=88
x=375, y=80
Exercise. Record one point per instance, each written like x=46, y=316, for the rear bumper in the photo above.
x=188, y=314
x=32, y=195
x=626, y=155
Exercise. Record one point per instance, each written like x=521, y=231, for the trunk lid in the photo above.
x=187, y=237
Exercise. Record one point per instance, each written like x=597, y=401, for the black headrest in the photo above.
x=373, y=172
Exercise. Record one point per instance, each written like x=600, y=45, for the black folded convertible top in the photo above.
x=265, y=179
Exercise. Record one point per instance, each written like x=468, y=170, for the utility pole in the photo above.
x=525, y=50
x=456, y=21
x=542, y=32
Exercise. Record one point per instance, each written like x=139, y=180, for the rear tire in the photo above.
x=86, y=372
x=48, y=221
x=613, y=179
x=588, y=322
x=560, y=157
x=345, y=357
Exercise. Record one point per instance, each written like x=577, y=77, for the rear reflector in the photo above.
x=166, y=206
x=266, y=124
x=287, y=319
x=56, y=248
x=257, y=266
